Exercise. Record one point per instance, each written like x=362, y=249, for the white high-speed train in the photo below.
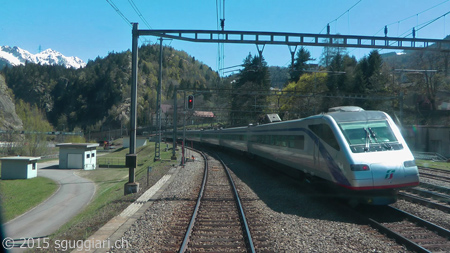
x=361, y=152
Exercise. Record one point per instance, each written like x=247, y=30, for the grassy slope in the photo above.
x=431, y=164
x=20, y=195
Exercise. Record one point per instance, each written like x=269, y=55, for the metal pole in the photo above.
x=131, y=158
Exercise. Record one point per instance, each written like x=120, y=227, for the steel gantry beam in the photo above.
x=301, y=39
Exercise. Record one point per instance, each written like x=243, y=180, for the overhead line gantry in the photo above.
x=301, y=39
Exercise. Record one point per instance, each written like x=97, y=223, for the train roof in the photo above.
x=340, y=116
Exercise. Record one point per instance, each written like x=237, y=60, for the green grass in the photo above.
x=431, y=164
x=109, y=199
x=20, y=195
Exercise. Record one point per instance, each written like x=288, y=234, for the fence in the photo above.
x=429, y=156
x=111, y=162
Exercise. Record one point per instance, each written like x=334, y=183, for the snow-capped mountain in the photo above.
x=16, y=56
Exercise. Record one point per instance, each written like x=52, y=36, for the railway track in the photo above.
x=428, y=196
x=436, y=174
x=217, y=222
x=413, y=232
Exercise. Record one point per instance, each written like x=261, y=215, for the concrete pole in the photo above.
x=131, y=158
x=175, y=125
x=158, y=105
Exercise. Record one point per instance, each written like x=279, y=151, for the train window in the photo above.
x=356, y=134
x=297, y=141
x=283, y=140
x=324, y=132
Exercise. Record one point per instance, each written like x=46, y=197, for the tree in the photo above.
x=299, y=66
x=35, y=126
x=246, y=107
x=293, y=107
x=329, y=53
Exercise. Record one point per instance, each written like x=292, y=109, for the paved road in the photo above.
x=73, y=195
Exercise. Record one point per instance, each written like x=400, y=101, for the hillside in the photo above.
x=97, y=96
x=8, y=117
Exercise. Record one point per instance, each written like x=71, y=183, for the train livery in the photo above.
x=361, y=152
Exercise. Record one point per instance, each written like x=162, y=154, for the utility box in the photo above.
x=78, y=155
x=272, y=118
x=19, y=167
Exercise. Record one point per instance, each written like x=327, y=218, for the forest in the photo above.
x=97, y=97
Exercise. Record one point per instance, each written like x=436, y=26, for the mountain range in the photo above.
x=14, y=56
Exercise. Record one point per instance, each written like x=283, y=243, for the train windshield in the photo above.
x=370, y=136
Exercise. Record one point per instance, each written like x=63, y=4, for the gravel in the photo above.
x=150, y=232
x=294, y=219
x=437, y=217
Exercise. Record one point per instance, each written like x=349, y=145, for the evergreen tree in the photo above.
x=254, y=78
x=299, y=67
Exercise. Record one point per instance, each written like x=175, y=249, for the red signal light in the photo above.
x=190, y=104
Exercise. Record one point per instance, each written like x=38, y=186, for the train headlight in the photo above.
x=359, y=167
x=411, y=163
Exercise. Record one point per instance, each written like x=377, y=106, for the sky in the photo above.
x=93, y=28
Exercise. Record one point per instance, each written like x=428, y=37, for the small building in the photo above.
x=19, y=167
x=78, y=155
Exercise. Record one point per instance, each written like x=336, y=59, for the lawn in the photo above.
x=431, y=164
x=20, y=195
x=109, y=199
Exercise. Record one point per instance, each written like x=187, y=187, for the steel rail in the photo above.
x=400, y=238
x=247, y=233
x=438, y=229
x=435, y=188
x=184, y=245
x=435, y=177
x=424, y=202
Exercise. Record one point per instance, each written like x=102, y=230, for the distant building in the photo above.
x=435, y=139
x=140, y=142
x=78, y=155
x=19, y=167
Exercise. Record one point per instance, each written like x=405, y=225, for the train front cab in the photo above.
x=379, y=160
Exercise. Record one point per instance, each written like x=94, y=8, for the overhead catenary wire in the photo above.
x=334, y=20
x=136, y=9
x=119, y=12
x=409, y=17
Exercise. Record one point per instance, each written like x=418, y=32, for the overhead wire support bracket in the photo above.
x=301, y=39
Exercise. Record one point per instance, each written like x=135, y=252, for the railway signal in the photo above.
x=190, y=102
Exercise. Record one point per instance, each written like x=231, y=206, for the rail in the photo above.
x=397, y=230
x=197, y=206
x=246, y=238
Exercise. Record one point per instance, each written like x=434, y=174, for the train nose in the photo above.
x=388, y=174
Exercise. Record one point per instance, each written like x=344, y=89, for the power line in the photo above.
x=348, y=10
x=136, y=9
x=119, y=12
x=415, y=15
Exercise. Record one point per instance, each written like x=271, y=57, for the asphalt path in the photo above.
x=73, y=195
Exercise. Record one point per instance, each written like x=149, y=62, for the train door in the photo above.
x=316, y=153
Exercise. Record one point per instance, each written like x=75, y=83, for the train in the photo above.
x=361, y=153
